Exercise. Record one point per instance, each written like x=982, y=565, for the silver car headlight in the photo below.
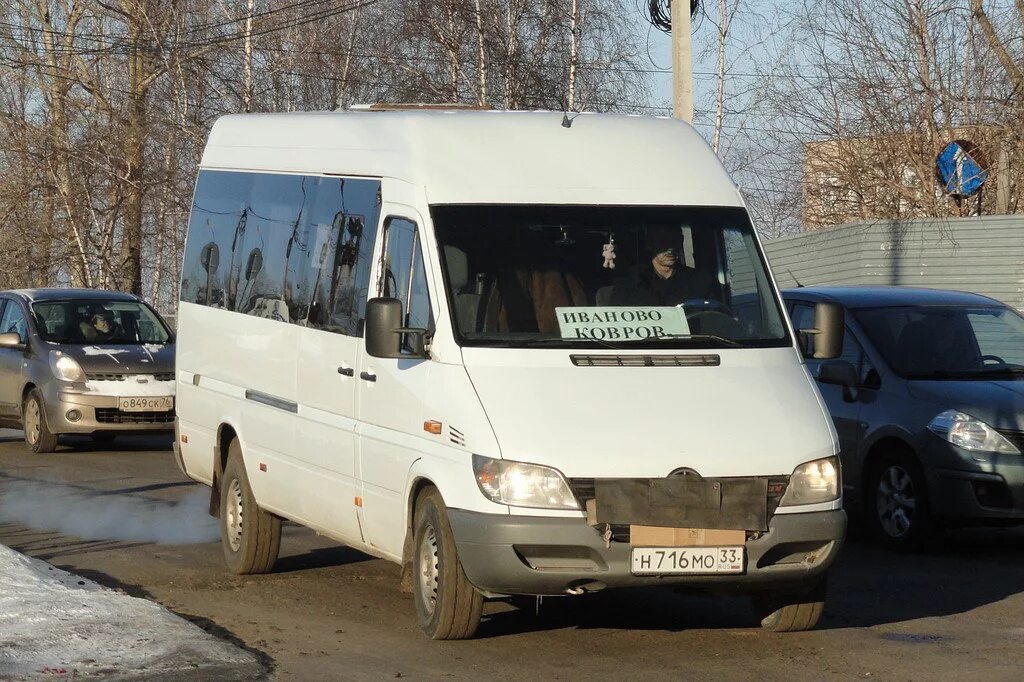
x=523, y=485
x=66, y=368
x=969, y=433
x=813, y=483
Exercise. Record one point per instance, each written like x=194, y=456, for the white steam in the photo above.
x=97, y=515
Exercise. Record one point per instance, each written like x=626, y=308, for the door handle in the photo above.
x=366, y=376
x=346, y=371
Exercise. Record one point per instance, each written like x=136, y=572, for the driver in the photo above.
x=100, y=327
x=663, y=280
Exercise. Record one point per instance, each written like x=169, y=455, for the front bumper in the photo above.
x=551, y=555
x=974, y=487
x=99, y=414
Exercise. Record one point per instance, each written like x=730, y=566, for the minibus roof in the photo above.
x=487, y=157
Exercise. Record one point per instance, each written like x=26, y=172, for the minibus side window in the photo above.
x=292, y=248
x=403, y=274
x=219, y=214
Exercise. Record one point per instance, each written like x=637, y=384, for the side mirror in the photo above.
x=827, y=335
x=384, y=331
x=840, y=373
x=11, y=340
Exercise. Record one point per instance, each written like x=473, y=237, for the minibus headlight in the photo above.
x=969, y=433
x=813, y=482
x=522, y=485
x=66, y=368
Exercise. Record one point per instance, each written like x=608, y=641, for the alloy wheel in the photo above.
x=32, y=421
x=895, y=501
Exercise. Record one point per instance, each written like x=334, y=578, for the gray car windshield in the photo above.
x=586, y=276
x=948, y=342
x=89, y=322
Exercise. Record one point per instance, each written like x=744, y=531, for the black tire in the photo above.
x=447, y=605
x=896, y=503
x=38, y=436
x=250, y=536
x=791, y=611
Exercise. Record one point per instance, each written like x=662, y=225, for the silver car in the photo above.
x=83, y=361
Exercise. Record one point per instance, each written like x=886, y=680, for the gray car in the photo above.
x=928, y=402
x=85, y=362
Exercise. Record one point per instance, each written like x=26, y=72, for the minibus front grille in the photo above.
x=112, y=415
x=116, y=376
x=105, y=376
x=637, y=360
x=583, y=489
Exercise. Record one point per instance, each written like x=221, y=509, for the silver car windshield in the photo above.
x=86, y=322
x=622, y=276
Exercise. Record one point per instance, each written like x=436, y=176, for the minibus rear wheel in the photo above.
x=250, y=536
x=447, y=604
x=791, y=612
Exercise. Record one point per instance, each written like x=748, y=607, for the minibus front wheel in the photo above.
x=791, y=611
x=447, y=604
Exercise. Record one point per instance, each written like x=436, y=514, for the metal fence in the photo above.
x=984, y=255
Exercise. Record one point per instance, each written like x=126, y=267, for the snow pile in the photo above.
x=56, y=623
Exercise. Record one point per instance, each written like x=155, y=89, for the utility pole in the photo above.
x=682, y=61
x=248, y=91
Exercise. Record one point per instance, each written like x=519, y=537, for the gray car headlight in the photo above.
x=66, y=368
x=813, y=483
x=523, y=485
x=969, y=433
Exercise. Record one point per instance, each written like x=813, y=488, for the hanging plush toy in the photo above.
x=608, y=251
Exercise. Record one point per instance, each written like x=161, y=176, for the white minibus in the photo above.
x=518, y=353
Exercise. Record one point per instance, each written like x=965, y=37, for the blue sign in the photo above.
x=959, y=168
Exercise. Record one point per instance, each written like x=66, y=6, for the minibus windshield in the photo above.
x=948, y=341
x=625, y=277
x=90, y=322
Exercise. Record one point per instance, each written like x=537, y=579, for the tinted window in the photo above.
x=286, y=247
x=567, y=276
x=403, y=275
x=219, y=213
x=342, y=231
x=944, y=342
x=13, y=321
x=277, y=208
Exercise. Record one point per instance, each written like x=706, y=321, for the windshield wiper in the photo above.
x=563, y=342
x=999, y=371
x=970, y=373
x=706, y=337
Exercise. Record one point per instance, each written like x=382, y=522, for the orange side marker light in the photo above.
x=432, y=427
x=359, y=501
x=184, y=438
x=263, y=467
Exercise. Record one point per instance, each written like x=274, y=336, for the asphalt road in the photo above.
x=329, y=612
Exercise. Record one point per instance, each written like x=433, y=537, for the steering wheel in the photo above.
x=697, y=306
x=999, y=362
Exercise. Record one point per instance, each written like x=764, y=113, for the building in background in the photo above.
x=984, y=255
x=892, y=176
